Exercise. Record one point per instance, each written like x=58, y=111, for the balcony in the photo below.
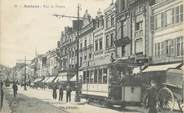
x=122, y=41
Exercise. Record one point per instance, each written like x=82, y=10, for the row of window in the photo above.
x=169, y=17
x=95, y=77
x=169, y=48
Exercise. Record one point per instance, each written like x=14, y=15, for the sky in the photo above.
x=27, y=26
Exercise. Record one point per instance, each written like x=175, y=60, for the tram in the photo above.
x=116, y=86
x=126, y=89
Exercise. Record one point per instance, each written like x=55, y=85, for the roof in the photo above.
x=161, y=67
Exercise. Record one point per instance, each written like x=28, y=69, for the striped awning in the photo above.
x=161, y=67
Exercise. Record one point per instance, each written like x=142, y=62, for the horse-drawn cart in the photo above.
x=169, y=79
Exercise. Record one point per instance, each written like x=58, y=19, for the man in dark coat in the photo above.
x=54, y=92
x=68, y=93
x=60, y=93
x=15, y=88
x=1, y=94
x=151, y=98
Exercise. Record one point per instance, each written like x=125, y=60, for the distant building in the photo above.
x=52, y=64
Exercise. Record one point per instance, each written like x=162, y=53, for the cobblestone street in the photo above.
x=40, y=101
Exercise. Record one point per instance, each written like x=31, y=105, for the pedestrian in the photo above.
x=60, y=93
x=68, y=93
x=1, y=94
x=15, y=89
x=54, y=92
x=151, y=98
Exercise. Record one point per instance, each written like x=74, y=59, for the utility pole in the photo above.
x=25, y=88
x=25, y=75
x=77, y=98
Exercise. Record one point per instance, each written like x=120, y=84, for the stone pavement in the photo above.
x=6, y=108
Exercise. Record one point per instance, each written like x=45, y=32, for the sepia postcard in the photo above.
x=91, y=56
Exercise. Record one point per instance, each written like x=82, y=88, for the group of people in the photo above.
x=61, y=91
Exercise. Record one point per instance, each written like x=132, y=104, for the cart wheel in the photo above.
x=166, y=98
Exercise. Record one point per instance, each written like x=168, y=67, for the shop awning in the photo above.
x=161, y=67
x=46, y=78
x=37, y=80
x=50, y=79
x=60, y=79
x=74, y=78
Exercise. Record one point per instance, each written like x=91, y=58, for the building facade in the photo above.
x=167, y=29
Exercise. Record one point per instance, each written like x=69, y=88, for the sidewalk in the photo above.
x=6, y=108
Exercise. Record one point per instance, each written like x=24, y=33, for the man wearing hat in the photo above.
x=151, y=98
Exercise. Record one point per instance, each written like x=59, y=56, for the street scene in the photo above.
x=115, y=56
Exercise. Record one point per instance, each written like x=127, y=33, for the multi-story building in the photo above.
x=123, y=30
x=103, y=52
x=134, y=40
x=67, y=50
x=86, y=54
x=40, y=66
x=52, y=64
x=168, y=31
x=167, y=39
